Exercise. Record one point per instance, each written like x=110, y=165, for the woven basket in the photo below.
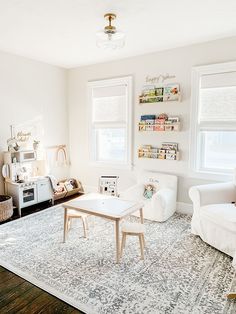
x=6, y=207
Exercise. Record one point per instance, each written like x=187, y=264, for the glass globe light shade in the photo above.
x=110, y=40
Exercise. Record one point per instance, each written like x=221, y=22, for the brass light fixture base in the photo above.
x=110, y=29
x=110, y=16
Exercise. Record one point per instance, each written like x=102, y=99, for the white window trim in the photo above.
x=104, y=83
x=197, y=72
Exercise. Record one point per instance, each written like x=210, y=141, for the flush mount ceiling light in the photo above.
x=110, y=37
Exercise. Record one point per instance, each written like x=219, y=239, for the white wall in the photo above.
x=28, y=90
x=176, y=61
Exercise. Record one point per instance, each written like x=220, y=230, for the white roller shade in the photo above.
x=218, y=80
x=117, y=90
x=218, y=97
x=218, y=104
x=110, y=104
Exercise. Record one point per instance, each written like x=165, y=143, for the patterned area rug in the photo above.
x=180, y=273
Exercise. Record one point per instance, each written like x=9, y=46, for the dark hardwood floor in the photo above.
x=20, y=296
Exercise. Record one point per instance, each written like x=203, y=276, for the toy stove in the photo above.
x=30, y=192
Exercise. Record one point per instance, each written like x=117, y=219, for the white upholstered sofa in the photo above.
x=162, y=205
x=214, y=215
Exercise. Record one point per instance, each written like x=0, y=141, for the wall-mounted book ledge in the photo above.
x=168, y=151
x=161, y=123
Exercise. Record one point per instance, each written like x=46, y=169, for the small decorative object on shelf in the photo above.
x=168, y=151
x=154, y=94
x=36, y=144
x=159, y=123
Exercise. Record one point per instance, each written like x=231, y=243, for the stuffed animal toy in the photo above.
x=149, y=190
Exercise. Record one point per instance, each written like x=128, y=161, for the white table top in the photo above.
x=103, y=205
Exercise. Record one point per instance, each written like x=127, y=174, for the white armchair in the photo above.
x=162, y=205
x=214, y=215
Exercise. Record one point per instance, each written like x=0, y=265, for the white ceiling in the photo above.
x=62, y=32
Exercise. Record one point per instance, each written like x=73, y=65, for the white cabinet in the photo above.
x=44, y=190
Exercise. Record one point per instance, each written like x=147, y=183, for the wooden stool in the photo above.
x=133, y=229
x=71, y=214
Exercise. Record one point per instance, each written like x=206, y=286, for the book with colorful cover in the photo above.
x=159, y=91
x=149, y=91
x=171, y=92
x=170, y=146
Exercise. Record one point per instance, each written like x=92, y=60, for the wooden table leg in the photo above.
x=141, y=245
x=141, y=215
x=65, y=225
x=123, y=241
x=117, y=231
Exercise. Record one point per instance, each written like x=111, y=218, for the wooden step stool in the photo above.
x=133, y=229
x=71, y=214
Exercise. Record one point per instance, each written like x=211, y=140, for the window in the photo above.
x=214, y=119
x=110, y=122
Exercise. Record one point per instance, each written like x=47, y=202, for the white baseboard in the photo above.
x=184, y=208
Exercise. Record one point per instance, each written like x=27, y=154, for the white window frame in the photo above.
x=126, y=80
x=195, y=148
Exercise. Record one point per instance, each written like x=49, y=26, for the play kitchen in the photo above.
x=22, y=181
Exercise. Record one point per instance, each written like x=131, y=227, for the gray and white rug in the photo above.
x=180, y=273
